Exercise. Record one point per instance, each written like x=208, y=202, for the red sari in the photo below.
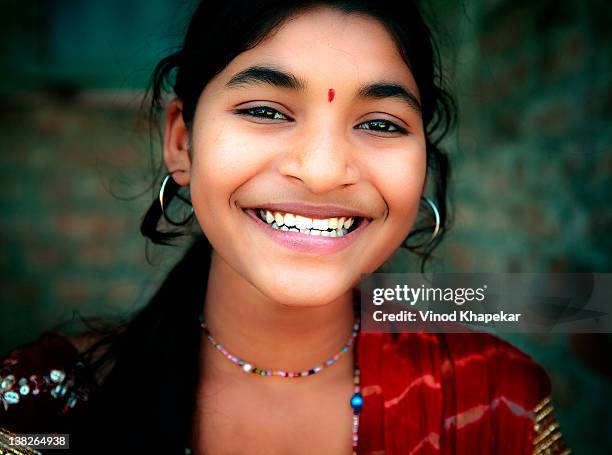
x=458, y=393
x=423, y=394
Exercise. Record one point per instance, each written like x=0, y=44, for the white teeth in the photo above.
x=269, y=217
x=279, y=219
x=289, y=219
x=302, y=222
x=329, y=227
x=316, y=232
x=321, y=225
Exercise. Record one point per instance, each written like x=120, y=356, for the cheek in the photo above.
x=222, y=163
x=400, y=177
x=222, y=159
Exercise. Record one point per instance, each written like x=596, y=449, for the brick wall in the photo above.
x=72, y=172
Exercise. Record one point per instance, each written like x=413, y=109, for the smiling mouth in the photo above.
x=324, y=227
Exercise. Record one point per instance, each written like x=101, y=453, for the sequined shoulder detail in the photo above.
x=41, y=380
x=7, y=448
x=548, y=438
x=55, y=383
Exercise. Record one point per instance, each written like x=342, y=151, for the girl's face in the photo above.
x=317, y=127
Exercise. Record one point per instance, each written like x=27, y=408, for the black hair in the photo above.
x=145, y=400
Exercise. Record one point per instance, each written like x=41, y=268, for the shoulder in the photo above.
x=506, y=365
x=473, y=363
x=488, y=370
x=486, y=356
x=510, y=375
x=473, y=377
x=520, y=389
x=42, y=383
x=467, y=347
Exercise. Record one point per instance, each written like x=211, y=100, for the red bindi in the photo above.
x=330, y=94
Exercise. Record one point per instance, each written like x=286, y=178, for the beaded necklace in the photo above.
x=356, y=401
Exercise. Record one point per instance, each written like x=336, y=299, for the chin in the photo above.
x=304, y=289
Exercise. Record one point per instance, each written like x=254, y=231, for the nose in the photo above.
x=321, y=157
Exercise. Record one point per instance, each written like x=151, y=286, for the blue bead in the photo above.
x=357, y=402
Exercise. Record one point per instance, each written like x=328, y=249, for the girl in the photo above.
x=305, y=133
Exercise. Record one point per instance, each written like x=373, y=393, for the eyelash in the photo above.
x=251, y=112
x=397, y=128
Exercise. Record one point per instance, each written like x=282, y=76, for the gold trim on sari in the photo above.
x=548, y=439
x=6, y=448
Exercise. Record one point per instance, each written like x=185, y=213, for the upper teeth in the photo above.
x=302, y=223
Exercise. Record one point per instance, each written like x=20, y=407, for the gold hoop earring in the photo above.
x=169, y=185
x=437, y=229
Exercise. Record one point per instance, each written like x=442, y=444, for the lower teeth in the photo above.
x=328, y=233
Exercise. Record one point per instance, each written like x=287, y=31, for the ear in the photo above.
x=176, y=144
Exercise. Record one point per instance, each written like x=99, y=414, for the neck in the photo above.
x=270, y=334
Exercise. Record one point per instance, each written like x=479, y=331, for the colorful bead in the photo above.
x=7, y=382
x=72, y=401
x=57, y=375
x=357, y=402
x=58, y=391
x=11, y=397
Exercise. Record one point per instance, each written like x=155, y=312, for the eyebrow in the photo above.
x=266, y=75
x=381, y=90
x=276, y=77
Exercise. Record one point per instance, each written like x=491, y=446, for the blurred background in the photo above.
x=531, y=157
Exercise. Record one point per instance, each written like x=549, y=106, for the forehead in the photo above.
x=329, y=48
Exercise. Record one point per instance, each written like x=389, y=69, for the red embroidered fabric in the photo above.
x=42, y=385
x=447, y=393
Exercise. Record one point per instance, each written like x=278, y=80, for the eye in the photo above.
x=262, y=112
x=381, y=126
